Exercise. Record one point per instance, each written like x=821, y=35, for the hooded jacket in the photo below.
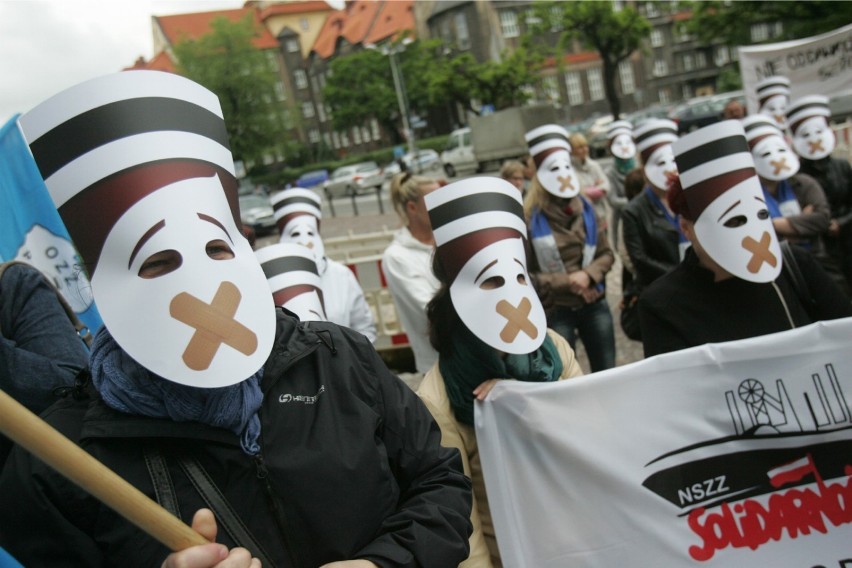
x=350, y=467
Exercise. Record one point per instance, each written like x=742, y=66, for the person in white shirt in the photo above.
x=407, y=264
x=298, y=214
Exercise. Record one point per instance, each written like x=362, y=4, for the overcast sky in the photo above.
x=49, y=45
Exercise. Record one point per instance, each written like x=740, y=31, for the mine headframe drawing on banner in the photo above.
x=783, y=472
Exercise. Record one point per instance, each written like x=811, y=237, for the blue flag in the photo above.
x=31, y=229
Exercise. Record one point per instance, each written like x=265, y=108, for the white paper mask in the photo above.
x=303, y=230
x=623, y=147
x=308, y=306
x=737, y=232
x=776, y=108
x=557, y=175
x=496, y=301
x=814, y=139
x=660, y=165
x=291, y=271
x=773, y=159
x=208, y=323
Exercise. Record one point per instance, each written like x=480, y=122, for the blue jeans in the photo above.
x=594, y=324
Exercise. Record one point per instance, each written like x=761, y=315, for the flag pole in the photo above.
x=39, y=438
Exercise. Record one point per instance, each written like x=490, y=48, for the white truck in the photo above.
x=493, y=138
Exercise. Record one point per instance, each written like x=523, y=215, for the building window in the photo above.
x=308, y=109
x=556, y=19
x=365, y=133
x=321, y=111
x=301, y=79
x=660, y=68
x=665, y=95
x=688, y=62
x=445, y=31
x=682, y=33
x=344, y=139
x=657, y=38
x=326, y=137
x=651, y=10
x=280, y=93
x=509, y=23
x=625, y=73
x=759, y=32
x=617, y=5
x=303, y=23
x=335, y=138
x=686, y=92
x=313, y=136
x=701, y=60
x=551, y=90
x=596, y=89
x=779, y=29
x=721, y=56
x=574, y=86
x=530, y=18
x=292, y=45
x=356, y=135
x=374, y=126
x=462, y=33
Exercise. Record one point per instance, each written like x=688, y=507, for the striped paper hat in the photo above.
x=772, y=86
x=759, y=126
x=294, y=202
x=619, y=127
x=470, y=214
x=290, y=270
x=545, y=140
x=105, y=144
x=712, y=160
x=807, y=107
x=652, y=134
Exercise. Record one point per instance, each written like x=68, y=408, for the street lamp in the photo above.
x=398, y=85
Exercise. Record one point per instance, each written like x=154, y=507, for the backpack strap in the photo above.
x=82, y=329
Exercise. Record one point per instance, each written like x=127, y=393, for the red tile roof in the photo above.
x=295, y=8
x=359, y=19
x=326, y=41
x=161, y=62
x=193, y=26
x=574, y=58
x=393, y=18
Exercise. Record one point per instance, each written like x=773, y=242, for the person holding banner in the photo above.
x=486, y=323
x=571, y=255
x=731, y=284
x=202, y=394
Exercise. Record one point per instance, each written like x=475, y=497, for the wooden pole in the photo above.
x=57, y=451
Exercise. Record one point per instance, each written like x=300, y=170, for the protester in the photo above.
x=731, y=284
x=407, y=264
x=773, y=96
x=734, y=110
x=796, y=202
x=486, y=323
x=652, y=233
x=513, y=172
x=571, y=254
x=814, y=141
x=324, y=456
x=40, y=349
x=623, y=151
x=594, y=184
x=293, y=277
x=298, y=213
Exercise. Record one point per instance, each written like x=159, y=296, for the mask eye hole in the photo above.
x=492, y=283
x=763, y=214
x=160, y=264
x=736, y=221
x=522, y=280
x=219, y=250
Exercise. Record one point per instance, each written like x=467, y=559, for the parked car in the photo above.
x=421, y=161
x=312, y=179
x=458, y=153
x=256, y=212
x=354, y=179
x=701, y=111
x=658, y=110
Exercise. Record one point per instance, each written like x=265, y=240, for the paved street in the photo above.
x=373, y=217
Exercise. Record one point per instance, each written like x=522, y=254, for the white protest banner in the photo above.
x=726, y=455
x=818, y=65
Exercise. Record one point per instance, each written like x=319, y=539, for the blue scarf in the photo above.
x=674, y=220
x=128, y=387
x=623, y=166
x=785, y=194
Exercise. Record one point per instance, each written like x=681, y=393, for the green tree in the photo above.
x=226, y=62
x=614, y=34
x=731, y=22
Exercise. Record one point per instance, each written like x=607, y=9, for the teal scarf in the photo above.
x=473, y=362
x=624, y=167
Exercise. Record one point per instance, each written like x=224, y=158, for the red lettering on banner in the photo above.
x=752, y=524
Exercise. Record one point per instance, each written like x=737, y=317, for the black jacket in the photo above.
x=686, y=307
x=650, y=240
x=351, y=467
x=835, y=178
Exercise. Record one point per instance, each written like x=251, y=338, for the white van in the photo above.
x=458, y=154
